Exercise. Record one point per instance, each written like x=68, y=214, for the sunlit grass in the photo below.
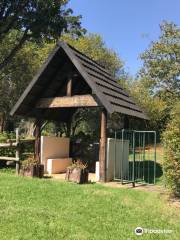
x=48, y=209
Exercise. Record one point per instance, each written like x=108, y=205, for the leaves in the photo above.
x=15, y=77
x=171, y=140
x=161, y=69
x=153, y=106
x=157, y=87
x=36, y=20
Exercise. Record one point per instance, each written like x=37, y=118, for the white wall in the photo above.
x=53, y=147
x=116, y=158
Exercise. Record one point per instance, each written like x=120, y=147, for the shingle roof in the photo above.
x=103, y=85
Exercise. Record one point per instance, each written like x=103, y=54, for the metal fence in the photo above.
x=136, y=161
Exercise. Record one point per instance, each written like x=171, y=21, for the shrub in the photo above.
x=171, y=163
x=28, y=163
x=78, y=164
x=4, y=136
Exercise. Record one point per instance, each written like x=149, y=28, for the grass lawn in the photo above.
x=48, y=209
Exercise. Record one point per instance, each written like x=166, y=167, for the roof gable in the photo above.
x=103, y=85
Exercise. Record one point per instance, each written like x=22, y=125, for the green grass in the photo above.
x=49, y=210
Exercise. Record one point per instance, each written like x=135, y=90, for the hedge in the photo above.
x=171, y=163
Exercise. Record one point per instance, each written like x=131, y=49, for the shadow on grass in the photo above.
x=146, y=170
x=47, y=177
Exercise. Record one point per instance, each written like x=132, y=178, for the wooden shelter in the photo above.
x=69, y=80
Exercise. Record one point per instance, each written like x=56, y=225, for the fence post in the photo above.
x=17, y=152
x=154, y=157
x=122, y=154
x=134, y=159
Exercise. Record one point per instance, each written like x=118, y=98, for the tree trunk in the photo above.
x=2, y=122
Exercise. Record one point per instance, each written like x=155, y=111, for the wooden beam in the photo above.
x=102, y=147
x=4, y=158
x=7, y=145
x=37, y=146
x=74, y=101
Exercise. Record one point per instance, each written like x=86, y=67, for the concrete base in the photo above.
x=97, y=171
x=58, y=165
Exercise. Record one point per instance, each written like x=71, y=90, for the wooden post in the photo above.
x=126, y=122
x=37, y=134
x=69, y=94
x=102, y=147
x=69, y=87
x=17, y=151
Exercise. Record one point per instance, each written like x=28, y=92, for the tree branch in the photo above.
x=14, y=50
x=2, y=9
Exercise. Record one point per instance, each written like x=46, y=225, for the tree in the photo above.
x=34, y=20
x=157, y=86
x=161, y=67
x=28, y=31
x=153, y=106
x=16, y=75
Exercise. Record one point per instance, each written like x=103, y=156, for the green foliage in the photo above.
x=93, y=46
x=28, y=32
x=157, y=86
x=86, y=120
x=7, y=136
x=4, y=138
x=26, y=148
x=28, y=163
x=171, y=140
x=161, y=68
x=153, y=106
x=35, y=20
x=15, y=77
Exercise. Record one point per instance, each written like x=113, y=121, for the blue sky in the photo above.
x=127, y=26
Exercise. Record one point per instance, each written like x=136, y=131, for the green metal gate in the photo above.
x=135, y=157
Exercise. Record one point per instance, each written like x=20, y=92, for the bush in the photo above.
x=28, y=163
x=171, y=163
x=3, y=137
